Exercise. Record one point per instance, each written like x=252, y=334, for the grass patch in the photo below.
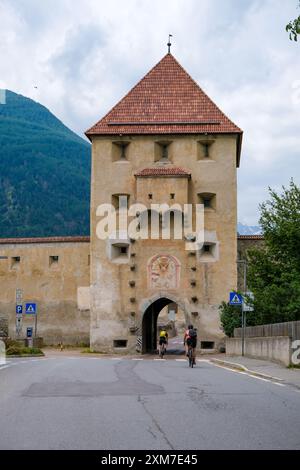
x=91, y=351
x=22, y=351
x=294, y=366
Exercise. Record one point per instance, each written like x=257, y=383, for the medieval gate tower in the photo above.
x=164, y=142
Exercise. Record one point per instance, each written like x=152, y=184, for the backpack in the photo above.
x=192, y=334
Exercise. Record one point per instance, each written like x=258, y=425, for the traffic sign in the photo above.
x=235, y=299
x=30, y=309
x=19, y=309
x=248, y=299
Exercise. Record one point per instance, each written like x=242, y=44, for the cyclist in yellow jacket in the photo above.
x=163, y=341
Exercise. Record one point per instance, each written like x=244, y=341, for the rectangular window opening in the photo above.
x=120, y=343
x=15, y=261
x=53, y=260
x=120, y=151
x=207, y=345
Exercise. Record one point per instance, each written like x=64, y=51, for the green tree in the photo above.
x=274, y=271
x=293, y=28
x=230, y=317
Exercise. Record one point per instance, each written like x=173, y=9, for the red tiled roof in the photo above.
x=19, y=241
x=164, y=171
x=166, y=101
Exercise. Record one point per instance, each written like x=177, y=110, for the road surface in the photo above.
x=130, y=404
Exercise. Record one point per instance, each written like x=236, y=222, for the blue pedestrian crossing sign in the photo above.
x=235, y=298
x=19, y=309
x=30, y=309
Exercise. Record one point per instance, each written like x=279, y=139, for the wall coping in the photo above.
x=82, y=239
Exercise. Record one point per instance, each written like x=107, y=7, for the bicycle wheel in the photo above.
x=191, y=360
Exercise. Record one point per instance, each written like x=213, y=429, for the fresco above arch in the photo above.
x=163, y=272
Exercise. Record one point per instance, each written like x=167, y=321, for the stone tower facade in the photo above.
x=164, y=142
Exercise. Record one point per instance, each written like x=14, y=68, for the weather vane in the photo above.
x=169, y=43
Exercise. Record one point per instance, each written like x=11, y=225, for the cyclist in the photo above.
x=163, y=341
x=190, y=340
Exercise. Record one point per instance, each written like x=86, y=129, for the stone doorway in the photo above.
x=150, y=323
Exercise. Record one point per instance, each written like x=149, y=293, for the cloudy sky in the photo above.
x=84, y=55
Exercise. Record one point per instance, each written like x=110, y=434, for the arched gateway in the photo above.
x=148, y=337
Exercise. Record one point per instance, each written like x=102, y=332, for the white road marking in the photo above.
x=136, y=359
x=181, y=360
x=250, y=375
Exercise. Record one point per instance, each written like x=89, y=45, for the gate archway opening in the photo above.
x=150, y=325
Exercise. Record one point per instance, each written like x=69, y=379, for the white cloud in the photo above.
x=85, y=55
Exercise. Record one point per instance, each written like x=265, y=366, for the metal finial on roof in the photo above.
x=169, y=43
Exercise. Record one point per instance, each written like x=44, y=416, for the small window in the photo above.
x=53, y=260
x=207, y=345
x=172, y=196
x=120, y=343
x=205, y=150
x=120, y=151
x=162, y=151
x=209, y=252
x=15, y=261
x=119, y=252
x=208, y=200
x=150, y=196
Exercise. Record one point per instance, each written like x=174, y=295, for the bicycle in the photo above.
x=191, y=356
x=162, y=350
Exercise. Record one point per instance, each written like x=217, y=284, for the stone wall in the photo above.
x=274, y=348
x=55, y=275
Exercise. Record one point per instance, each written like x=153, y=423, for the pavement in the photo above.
x=261, y=368
x=73, y=401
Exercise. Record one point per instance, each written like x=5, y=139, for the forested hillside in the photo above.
x=44, y=173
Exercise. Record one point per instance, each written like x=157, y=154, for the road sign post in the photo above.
x=244, y=317
x=237, y=299
x=19, y=317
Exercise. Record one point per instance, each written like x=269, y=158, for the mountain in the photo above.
x=44, y=173
x=249, y=229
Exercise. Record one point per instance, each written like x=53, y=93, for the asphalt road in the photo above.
x=110, y=404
